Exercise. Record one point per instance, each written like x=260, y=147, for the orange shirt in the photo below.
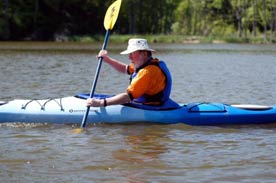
x=149, y=80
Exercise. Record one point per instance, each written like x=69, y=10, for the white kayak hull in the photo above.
x=71, y=110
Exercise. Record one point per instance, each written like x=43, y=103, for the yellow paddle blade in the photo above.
x=76, y=131
x=112, y=14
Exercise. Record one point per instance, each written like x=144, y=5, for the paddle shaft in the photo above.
x=100, y=60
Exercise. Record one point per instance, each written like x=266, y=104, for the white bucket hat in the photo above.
x=137, y=44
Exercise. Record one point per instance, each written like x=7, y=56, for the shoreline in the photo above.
x=160, y=38
x=180, y=39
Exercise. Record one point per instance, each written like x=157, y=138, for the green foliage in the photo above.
x=82, y=20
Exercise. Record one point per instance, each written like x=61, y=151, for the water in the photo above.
x=227, y=73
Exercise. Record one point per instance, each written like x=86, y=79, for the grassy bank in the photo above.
x=115, y=38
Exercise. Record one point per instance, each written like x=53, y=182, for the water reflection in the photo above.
x=141, y=148
x=141, y=151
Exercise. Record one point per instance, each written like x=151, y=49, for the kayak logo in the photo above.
x=78, y=111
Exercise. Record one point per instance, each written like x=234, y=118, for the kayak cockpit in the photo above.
x=168, y=105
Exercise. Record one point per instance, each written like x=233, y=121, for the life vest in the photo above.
x=162, y=96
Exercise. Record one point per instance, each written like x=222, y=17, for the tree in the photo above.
x=273, y=19
x=51, y=19
x=202, y=17
x=265, y=20
x=4, y=21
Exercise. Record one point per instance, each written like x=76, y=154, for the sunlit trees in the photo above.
x=49, y=19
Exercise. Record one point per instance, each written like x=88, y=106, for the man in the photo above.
x=150, y=79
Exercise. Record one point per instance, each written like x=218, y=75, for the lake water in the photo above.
x=228, y=73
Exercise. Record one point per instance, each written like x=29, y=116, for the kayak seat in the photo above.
x=168, y=105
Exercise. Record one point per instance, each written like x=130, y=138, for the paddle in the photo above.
x=109, y=21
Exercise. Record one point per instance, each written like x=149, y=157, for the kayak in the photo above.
x=68, y=110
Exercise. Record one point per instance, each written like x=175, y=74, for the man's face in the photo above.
x=138, y=58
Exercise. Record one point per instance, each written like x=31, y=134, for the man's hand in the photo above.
x=103, y=54
x=93, y=102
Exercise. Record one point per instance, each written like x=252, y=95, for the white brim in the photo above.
x=133, y=50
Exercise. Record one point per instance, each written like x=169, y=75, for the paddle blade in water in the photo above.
x=77, y=130
x=112, y=14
